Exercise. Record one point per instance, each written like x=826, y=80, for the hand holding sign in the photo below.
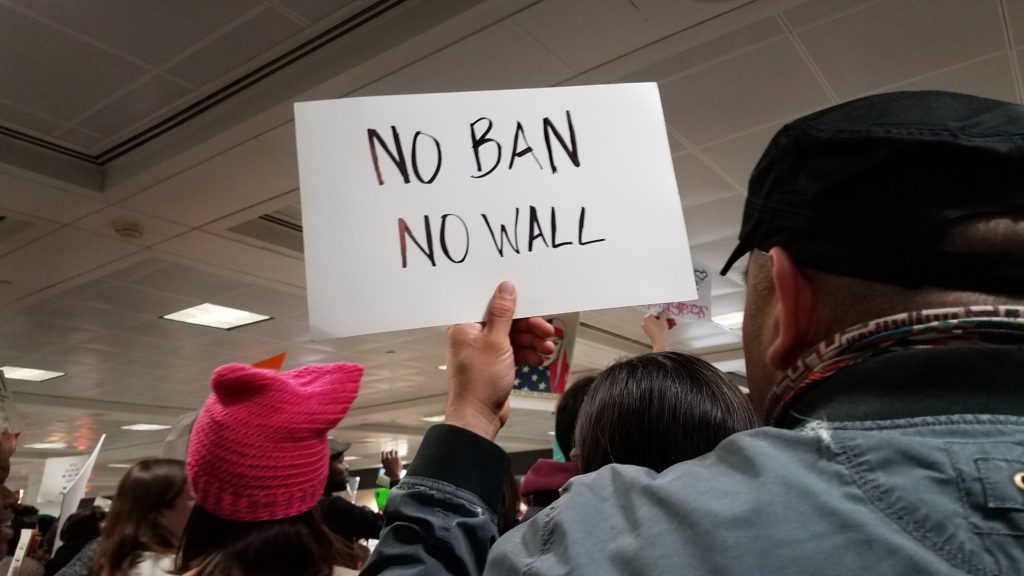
x=656, y=329
x=482, y=359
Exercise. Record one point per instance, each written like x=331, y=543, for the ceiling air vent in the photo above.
x=281, y=228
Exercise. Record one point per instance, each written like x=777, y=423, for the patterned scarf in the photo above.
x=967, y=326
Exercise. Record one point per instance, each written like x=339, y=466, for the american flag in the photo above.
x=533, y=378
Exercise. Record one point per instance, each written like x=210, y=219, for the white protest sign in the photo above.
x=58, y=475
x=699, y=309
x=21, y=551
x=76, y=491
x=414, y=208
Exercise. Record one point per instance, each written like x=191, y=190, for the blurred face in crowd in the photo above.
x=176, y=516
x=337, y=475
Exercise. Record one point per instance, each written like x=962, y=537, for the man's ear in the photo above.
x=794, y=311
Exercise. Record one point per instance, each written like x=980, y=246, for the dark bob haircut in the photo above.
x=656, y=410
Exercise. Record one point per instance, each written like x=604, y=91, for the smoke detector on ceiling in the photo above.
x=127, y=229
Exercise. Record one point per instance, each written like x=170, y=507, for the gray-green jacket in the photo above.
x=934, y=492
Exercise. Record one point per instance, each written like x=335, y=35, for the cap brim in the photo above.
x=339, y=447
x=738, y=253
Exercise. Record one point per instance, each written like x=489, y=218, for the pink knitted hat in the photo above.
x=258, y=449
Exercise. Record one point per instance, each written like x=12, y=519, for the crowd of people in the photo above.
x=883, y=432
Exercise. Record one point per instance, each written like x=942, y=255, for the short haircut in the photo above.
x=568, y=411
x=656, y=410
x=843, y=302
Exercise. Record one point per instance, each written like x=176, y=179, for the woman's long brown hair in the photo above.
x=133, y=525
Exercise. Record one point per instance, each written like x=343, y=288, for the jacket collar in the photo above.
x=857, y=354
x=919, y=382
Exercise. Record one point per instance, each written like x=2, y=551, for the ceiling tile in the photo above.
x=153, y=230
x=153, y=97
x=93, y=316
x=268, y=301
x=50, y=81
x=44, y=201
x=501, y=56
x=815, y=11
x=17, y=230
x=282, y=137
x=139, y=28
x=1015, y=19
x=698, y=182
x=738, y=156
x=79, y=138
x=714, y=220
x=243, y=176
x=21, y=119
x=231, y=255
x=990, y=78
x=189, y=282
x=313, y=11
x=754, y=88
x=236, y=48
x=893, y=41
x=702, y=54
x=606, y=30
x=140, y=301
x=67, y=253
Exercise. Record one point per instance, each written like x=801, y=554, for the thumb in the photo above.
x=501, y=311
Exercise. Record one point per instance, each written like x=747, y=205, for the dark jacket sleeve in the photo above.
x=350, y=520
x=440, y=519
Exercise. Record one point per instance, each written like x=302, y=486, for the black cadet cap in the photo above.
x=868, y=189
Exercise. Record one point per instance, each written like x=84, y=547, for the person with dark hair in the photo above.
x=347, y=519
x=142, y=531
x=21, y=518
x=884, y=344
x=256, y=462
x=656, y=410
x=81, y=528
x=541, y=485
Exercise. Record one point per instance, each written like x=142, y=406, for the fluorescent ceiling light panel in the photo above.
x=442, y=367
x=732, y=320
x=433, y=418
x=351, y=458
x=30, y=374
x=47, y=446
x=216, y=316
x=145, y=427
x=119, y=465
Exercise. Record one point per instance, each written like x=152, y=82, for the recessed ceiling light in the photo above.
x=30, y=374
x=439, y=418
x=442, y=367
x=351, y=458
x=216, y=316
x=47, y=446
x=119, y=465
x=145, y=427
x=552, y=433
x=732, y=320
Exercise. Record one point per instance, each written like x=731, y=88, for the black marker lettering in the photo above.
x=479, y=141
x=374, y=138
